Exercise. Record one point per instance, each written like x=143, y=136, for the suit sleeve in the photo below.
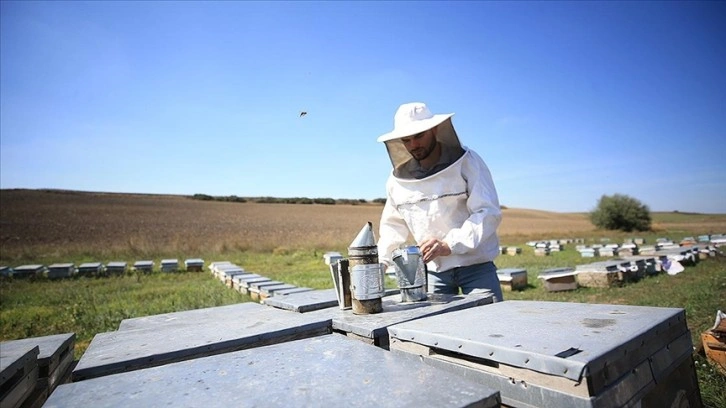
x=483, y=205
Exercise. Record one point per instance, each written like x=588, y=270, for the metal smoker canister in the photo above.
x=410, y=273
x=366, y=275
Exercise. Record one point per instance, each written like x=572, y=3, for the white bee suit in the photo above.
x=458, y=205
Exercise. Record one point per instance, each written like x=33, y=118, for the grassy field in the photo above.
x=284, y=242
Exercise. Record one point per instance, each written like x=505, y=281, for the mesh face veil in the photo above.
x=445, y=135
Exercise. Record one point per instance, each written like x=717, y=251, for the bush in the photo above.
x=621, y=212
x=203, y=197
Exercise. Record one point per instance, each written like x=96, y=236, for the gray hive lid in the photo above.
x=557, y=272
x=365, y=238
x=90, y=265
x=603, y=266
x=510, y=271
x=61, y=266
x=116, y=264
x=26, y=268
x=571, y=340
x=302, y=373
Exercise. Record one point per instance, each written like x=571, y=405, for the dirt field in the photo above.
x=49, y=222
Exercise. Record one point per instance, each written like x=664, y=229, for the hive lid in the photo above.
x=570, y=340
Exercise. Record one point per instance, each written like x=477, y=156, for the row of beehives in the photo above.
x=453, y=351
x=69, y=270
x=552, y=245
x=603, y=274
x=609, y=250
x=256, y=286
x=631, y=246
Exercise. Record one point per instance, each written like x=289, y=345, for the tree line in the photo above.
x=287, y=200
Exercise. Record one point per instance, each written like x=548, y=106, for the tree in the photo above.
x=621, y=212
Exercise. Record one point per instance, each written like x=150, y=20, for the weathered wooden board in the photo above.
x=326, y=370
x=196, y=333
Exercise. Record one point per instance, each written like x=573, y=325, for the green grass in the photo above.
x=87, y=306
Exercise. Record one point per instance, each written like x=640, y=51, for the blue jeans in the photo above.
x=468, y=278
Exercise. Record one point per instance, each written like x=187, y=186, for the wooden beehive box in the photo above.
x=54, y=361
x=194, y=265
x=254, y=288
x=602, y=274
x=239, y=279
x=90, y=269
x=144, y=266
x=169, y=265
x=116, y=268
x=229, y=276
x=18, y=374
x=512, y=278
x=61, y=270
x=271, y=290
x=559, y=279
x=558, y=354
x=27, y=271
x=246, y=283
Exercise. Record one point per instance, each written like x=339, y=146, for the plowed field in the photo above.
x=48, y=222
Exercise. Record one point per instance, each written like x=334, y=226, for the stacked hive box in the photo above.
x=169, y=265
x=562, y=354
x=194, y=265
x=116, y=268
x=512, y=278
x=27, y=271
x=90, y=269
x=18, y=374
x=54, y=360
x=559, y=279
x=61, y=270
x=144, y=266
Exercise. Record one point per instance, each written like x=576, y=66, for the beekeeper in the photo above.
x=442, y=195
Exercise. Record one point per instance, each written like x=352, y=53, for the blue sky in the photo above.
x=565, y=101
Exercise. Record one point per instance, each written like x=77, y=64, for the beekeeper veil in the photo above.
x=411, y=119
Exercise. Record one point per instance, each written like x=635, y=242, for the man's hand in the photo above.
x=434, y=248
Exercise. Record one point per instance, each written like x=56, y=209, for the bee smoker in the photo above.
x=366, y=276
x=410, y=273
